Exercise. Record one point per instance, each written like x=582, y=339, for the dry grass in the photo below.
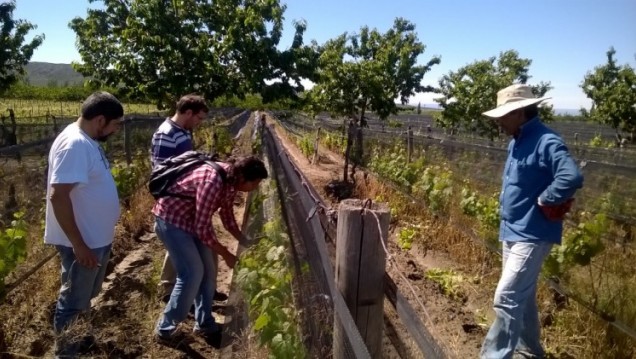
x=574, y=332
x=137, y=219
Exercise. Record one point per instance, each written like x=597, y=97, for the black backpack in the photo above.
x=164, y=174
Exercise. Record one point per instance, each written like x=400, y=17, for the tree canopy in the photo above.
x=15, y=51
x=472, y=90
x=162, y=49
x=370, y=70
x=612, y=89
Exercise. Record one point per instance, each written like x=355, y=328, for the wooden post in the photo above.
x=360, y=268
x=409, y=144
x=127, y=131
x=315, y=158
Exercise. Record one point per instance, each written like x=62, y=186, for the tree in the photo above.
x=419, y=108
x=472, y=90
x=15, y=53
x=162, y=49
x=369, y=71
x=612, y=89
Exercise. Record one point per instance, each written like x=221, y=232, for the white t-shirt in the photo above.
x=76, y=158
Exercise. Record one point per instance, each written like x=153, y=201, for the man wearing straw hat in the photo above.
x=539, y=180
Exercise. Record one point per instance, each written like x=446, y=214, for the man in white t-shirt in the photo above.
x=82, y=208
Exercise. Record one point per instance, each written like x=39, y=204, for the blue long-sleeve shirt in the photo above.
x=538, y=168
x=169, y=140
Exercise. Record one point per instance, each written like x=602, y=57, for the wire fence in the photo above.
x=23, y=172
x=313, y=224
x=609, y=284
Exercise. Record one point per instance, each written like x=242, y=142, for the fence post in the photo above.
x=127, y=130
x=409, y=144
x=315, y=158
x=360, y=268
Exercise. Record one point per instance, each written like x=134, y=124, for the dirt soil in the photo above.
x=124, y=314
x=456, y=322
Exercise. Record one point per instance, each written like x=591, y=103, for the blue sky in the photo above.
x=564, y=38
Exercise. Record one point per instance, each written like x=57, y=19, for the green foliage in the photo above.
x=128, y=177
x=580, y=244
x=13, y=247
x=367, y=71
x=597, y=141
x=472, y=90
x=163, y=49
x=264, y=275
x=448, y=281
x=334, y=141
x=223, y=142
x=612, y=89
x=392, y=165
x=485, y=209
x=435, y=185
x=393, y=123
x=306, y=145
x=27, y=108
x=406, y=236
x=15, y=50
x=75, y=93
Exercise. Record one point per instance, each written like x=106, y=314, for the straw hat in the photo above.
x=512, y=98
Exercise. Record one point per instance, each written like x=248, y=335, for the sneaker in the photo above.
x=220, y=297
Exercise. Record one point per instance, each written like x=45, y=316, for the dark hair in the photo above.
x=250, y=168
x=192, y=102
x=531, y=112
x=102, y=103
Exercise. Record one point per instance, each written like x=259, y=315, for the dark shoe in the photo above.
x=174, y=340
x=220, y=297
x=212, y=338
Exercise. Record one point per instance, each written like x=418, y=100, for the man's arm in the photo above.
x=226, y=212
x=63, y=210
x=566, y=175
x=207, y=198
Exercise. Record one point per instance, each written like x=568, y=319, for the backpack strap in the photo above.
x=218, y=170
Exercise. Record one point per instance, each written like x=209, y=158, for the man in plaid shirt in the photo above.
x=184, y=225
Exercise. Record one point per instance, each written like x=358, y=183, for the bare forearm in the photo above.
x=63, y=211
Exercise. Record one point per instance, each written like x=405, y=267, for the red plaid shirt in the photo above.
x=195, y=215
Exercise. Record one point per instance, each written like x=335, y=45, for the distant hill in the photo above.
x=45, y=73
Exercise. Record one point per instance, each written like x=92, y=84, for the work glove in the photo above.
x=556, y=212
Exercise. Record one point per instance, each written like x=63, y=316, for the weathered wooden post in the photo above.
x=314, y=160
x=409, y=144
x=127, y=131
x=360, y=268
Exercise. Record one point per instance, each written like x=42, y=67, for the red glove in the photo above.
x=556, y=212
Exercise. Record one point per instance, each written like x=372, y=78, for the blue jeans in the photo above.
x=79, y=285
x=516, y=326
x=196, y=271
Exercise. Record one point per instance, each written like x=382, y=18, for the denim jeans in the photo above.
x=79, y=285
x=195, y=266
x=516, y=326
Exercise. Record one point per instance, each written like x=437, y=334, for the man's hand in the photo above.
x=556, y=212
x=228, y=257
x=85, y=257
